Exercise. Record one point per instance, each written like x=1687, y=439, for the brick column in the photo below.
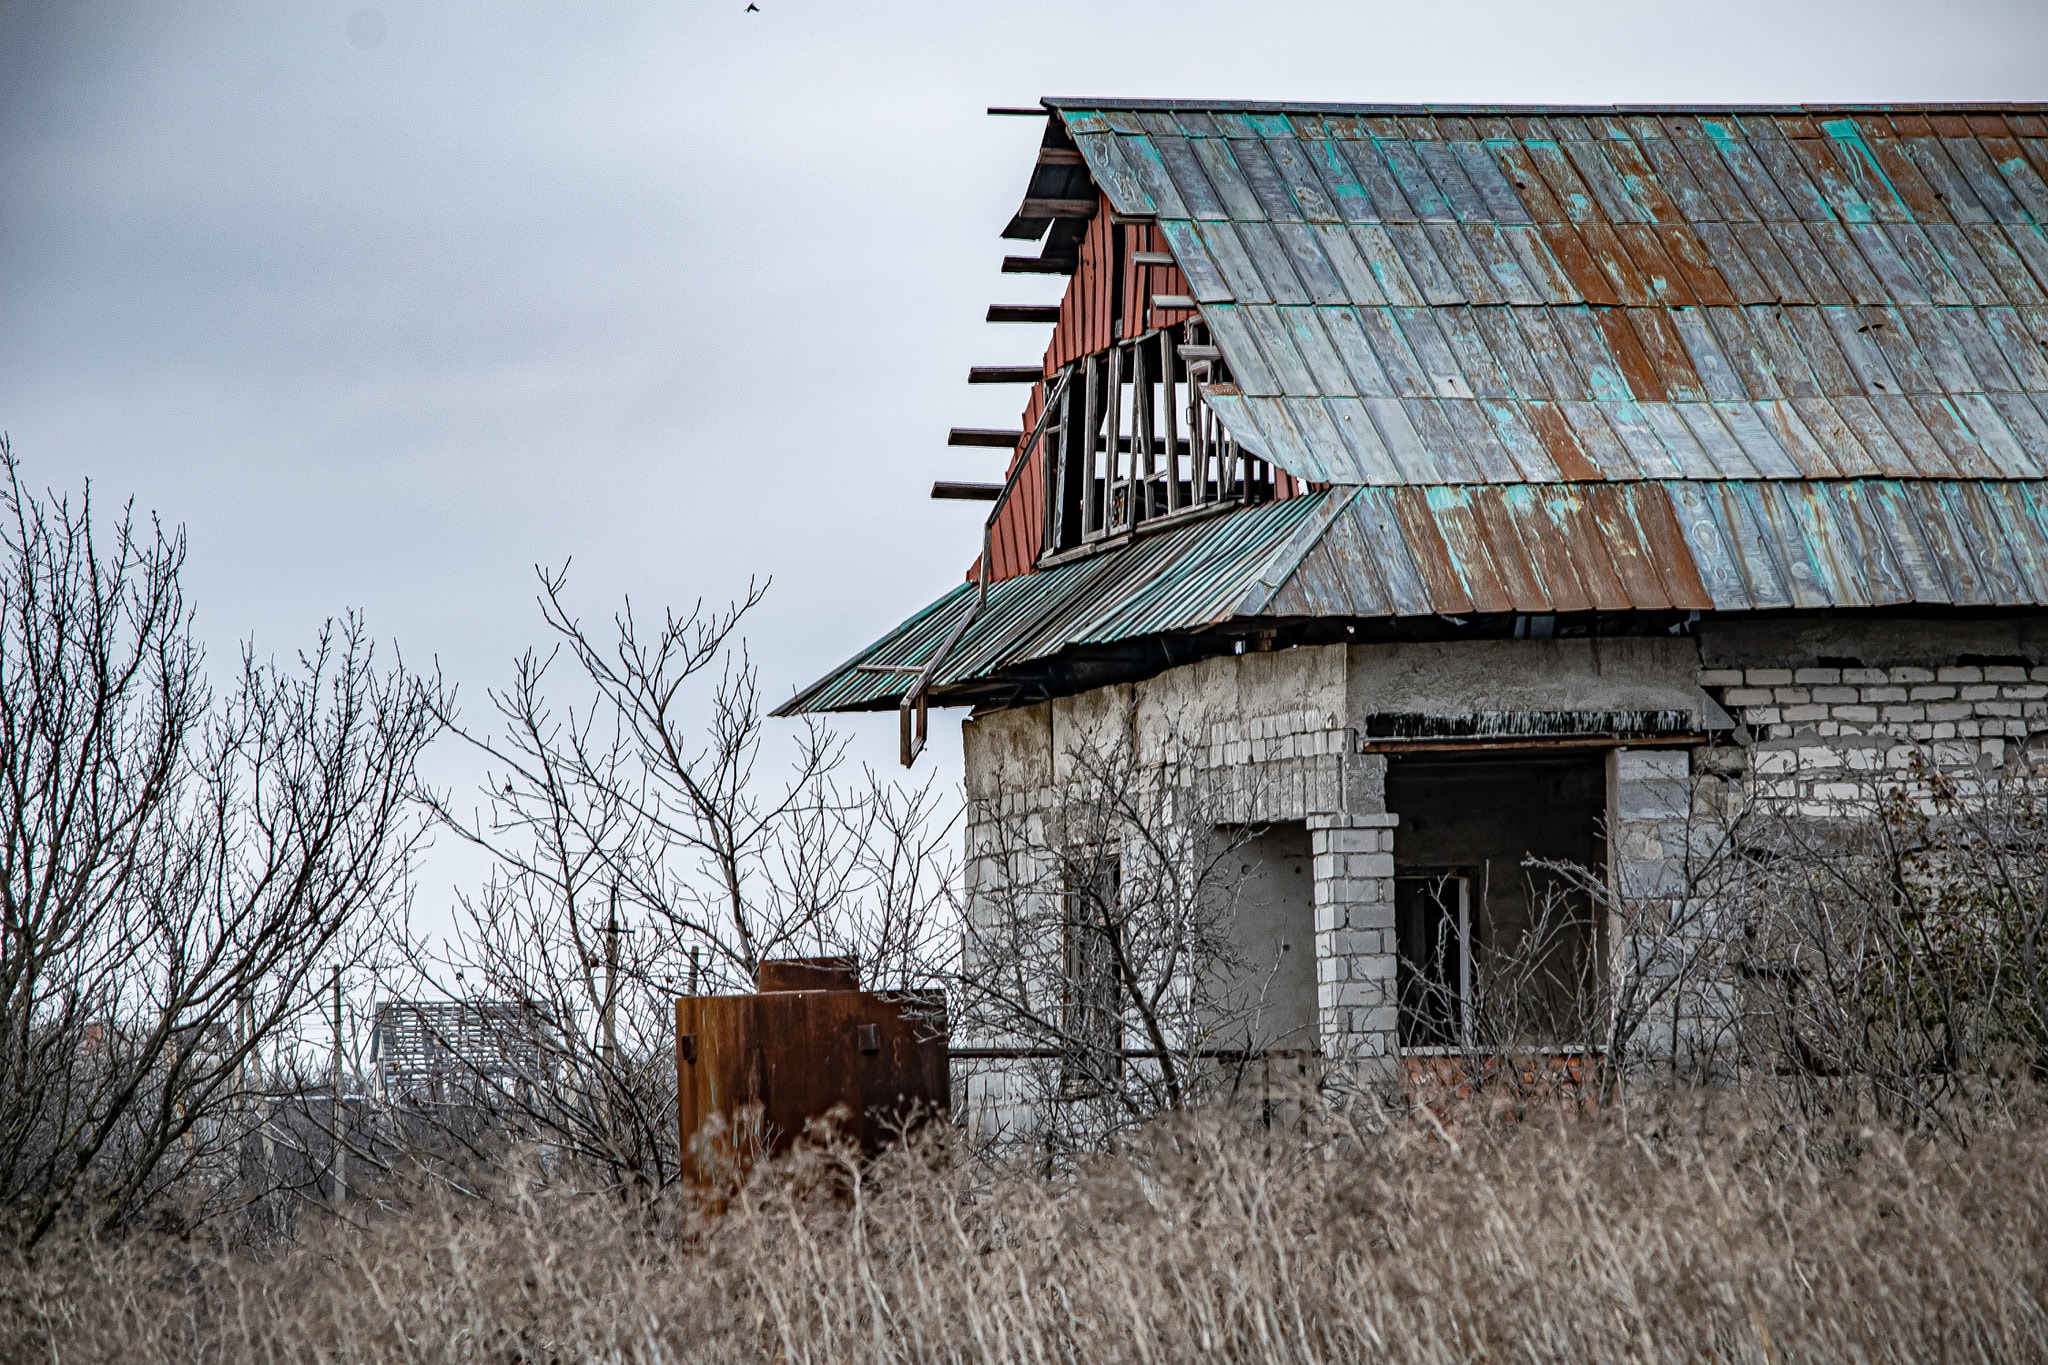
x=1355, y=950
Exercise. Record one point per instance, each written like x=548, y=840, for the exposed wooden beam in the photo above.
x=1023, y=312
x=966, y=492
x=1005, y=374
x=1060, y=156
x=1041, y=265
x=1172, y=301
x=1200, y=353
x=1152, y=258
x=982, y=436
x=1126, y=444
x=1057, y=208
x=1005, y=111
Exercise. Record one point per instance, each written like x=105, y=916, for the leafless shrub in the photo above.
x=1879, y=955
x=1525, y=1022
x=640, y=852
x=179, y=870
x=1891, y=949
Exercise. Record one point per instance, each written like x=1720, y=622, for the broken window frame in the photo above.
x=1135, y=444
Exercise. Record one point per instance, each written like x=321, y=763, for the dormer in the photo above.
x=1120, y=435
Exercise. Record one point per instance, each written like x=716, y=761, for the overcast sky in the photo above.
x=388, y=304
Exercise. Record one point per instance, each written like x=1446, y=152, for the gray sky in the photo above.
x=386, y=305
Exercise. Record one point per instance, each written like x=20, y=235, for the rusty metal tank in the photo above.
x=808, y=1054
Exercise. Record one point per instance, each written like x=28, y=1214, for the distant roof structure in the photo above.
x=1556, y=360
x=434, y=1049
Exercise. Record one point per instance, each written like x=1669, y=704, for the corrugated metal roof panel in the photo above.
x=868, y=679
x=1804, y=232
x=1383, y=552
x=1180, y=579
x=1569, y=359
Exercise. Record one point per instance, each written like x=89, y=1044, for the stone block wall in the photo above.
x=1649, y=821
x=1667, y=968
x=1283, y=766
x=1257, y=738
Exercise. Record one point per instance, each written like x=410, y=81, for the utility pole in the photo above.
x=340, y=1113
x=611, y=983
x=255, y=1094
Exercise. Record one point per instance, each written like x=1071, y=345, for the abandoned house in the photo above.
x=1458, y=486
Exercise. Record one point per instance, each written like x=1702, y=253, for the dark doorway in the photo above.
x=1492, y=950
x=1432, y=926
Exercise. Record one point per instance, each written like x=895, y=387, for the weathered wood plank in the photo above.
x=983, y=436
x=1023, y=312
x=1041, y=265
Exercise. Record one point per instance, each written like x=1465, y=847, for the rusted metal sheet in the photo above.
x=1641, y=216
x=758, y=1073
x=808, y=974
x=1385, y=552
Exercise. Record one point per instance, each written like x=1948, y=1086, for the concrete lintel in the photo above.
x=1340, y=820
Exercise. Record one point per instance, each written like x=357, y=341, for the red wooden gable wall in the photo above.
x=1083, y=329
x=1086, y=327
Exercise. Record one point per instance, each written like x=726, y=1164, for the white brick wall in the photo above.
x=1815, y=736
x=1818, y=736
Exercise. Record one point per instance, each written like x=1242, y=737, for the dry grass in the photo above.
x=1680, y=1240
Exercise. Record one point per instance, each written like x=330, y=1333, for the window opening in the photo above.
x=1135, y=442
x=1528, y=966
x=1091, y=1014
x=1433, y=930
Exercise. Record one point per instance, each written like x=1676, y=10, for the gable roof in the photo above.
x=1438, y=296
x=1560, y=360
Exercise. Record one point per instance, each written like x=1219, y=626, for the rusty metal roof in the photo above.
x=1449, y=550
x=1559, y=360
x=1435, y=295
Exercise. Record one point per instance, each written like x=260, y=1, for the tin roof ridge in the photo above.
x=1903, y=476
x=1073, y=102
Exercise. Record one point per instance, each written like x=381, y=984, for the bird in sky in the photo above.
x=753, y=9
